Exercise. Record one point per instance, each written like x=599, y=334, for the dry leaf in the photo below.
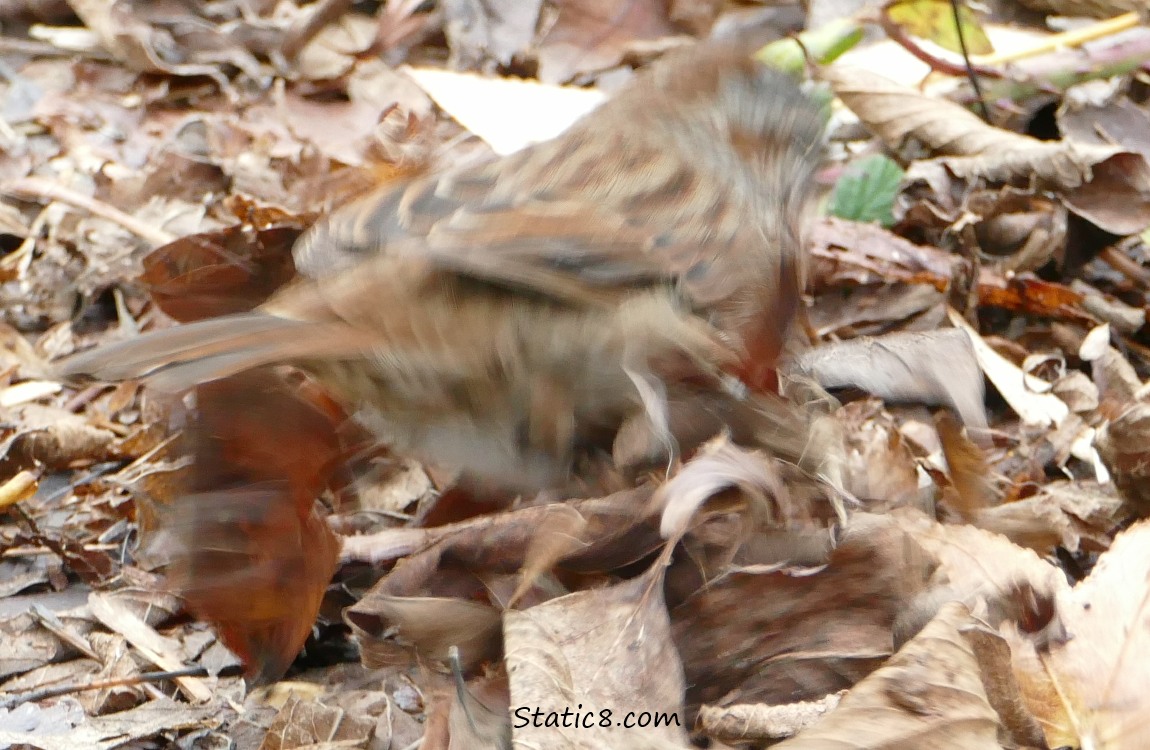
x=930, y=694
x=608, y=649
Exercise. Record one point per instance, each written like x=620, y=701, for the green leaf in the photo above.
x=934, y=20
x=824, y=44
x=867, y=190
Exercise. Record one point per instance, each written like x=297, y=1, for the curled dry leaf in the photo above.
x=1010, y=380
x=582, y=536
x=1078, y=391
x=616, y=535
x=1123, y=317
x=563, y=533
x=1117, y=382
x=1088, y=176
x=425, y=628
x=55, y=438
x=932, y=367
x=721, y=466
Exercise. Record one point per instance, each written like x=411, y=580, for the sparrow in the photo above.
x=515, y=319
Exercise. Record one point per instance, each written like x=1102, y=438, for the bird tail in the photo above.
x=176, y=359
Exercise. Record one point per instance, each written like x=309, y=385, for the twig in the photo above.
x=1124, y=265
x=46, y=49
x=38, y=188
x=142, y=678
x=1056, y=73
x=970, y=74
x=1065, y=40
x=41, y=550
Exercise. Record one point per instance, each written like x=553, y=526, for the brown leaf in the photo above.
x=425, y=628
x=719, y=467
x=1089, y=690
x=309, y=723
x=589, y=37
x=970, y=476
x=605, y=649
x=849, y=253
x=984, y=570
x=158, y=649
x=1124, y=445
x=562, y=533
x=930, y=694
x=759, y=722
x=880, y=468
x=829, y=626
x=480, y=34
x=217, y=273
x=252, y=554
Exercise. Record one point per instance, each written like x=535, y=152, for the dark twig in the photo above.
x=970, y=74
x=140, y=679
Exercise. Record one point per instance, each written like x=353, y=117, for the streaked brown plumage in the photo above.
x=510, y=319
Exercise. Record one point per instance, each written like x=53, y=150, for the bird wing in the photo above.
x=558, y=238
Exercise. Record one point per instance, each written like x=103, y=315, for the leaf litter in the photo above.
x=958, y=560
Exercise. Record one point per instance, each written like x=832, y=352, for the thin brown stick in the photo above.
x=40, y=189
x=1126, y=266
x=970, y=74
x=140, y=679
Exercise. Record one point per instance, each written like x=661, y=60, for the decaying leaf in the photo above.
x=929, y=694
x=1088, y=689
x=608, y=649
x=831, y=623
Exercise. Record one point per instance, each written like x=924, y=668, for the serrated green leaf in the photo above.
x=866, y=191
x=934, y=20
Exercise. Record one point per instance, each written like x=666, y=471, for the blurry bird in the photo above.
x=514, y=319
